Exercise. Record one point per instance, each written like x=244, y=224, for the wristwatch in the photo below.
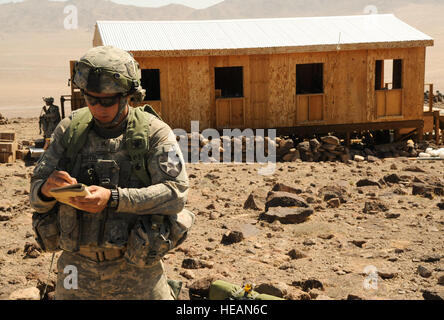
x=113, y=201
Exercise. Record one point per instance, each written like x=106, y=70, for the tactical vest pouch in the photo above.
x=69, y=228
x=148, y=241
x=180, y=224
x=115, y=233
x=46, y=229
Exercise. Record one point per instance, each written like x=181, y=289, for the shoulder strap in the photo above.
x=137, y=143
x=76, y=134
x=149, y=109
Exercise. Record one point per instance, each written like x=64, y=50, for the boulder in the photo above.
x=284, y=199
x=287, y=215
x=331, y=140
x=285, y=188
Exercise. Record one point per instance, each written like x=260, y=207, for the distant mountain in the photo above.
x=48, y=16
x=231, y=9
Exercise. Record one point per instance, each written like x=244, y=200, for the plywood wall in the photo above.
x=188, y=93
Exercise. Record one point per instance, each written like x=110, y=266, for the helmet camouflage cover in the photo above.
x=48, y=99
x=107, y=69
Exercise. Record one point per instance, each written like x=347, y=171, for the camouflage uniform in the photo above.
x=50, y=119
x=95, y=243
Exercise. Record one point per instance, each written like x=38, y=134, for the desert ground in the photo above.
x=381, y=226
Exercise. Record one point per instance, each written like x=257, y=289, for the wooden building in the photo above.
x=295, y=74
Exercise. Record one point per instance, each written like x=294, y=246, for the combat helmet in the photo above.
x=49, y=100
x=107, y=69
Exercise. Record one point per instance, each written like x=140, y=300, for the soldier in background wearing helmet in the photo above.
x=49, y=117
x=135, y=172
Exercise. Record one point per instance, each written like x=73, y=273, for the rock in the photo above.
x=307, y=285
x=433, y=295
x=214, y=215
x=392, y=215
x=367, y=182
x=210, y=206
x=387, y=275
x=291, y=156
x=372, y=207
x=31, y=250
x=331, y=140
x=12, y=251
x=354, y=297
x=333, y=203
x=277, y=289
x=285, y=188
x=399, y=191
x=190, y=263
x=304, y=146
x=358, y=243
x=232, y=237
x=430, y=258
x=5, y=217
x=296, y=254
x=314, y=144
x=358, y=158
x=286, y=215
x=286, y=144
x=25, y=294
x=323, y=297
x=392, y=178
x=441, y=205
x=441, y=280
x=184, y=294
x=201, y=288
x=188, y=274
x=424, y=272
x=414, y=169
x=297, y=294
x=329, y=147
x=256, y=200
x=330, y=192
x=308, y=242
x=327, y=236
x=284, y=199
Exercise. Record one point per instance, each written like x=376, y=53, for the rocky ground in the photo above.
x=330, y=230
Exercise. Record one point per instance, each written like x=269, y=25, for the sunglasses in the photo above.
x=104, y=101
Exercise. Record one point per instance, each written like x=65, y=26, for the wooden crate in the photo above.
x=21, y=154
x=8, y=146
x=7, y=157
x=7, y=135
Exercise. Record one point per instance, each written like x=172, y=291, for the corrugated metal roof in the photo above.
x=258, y=33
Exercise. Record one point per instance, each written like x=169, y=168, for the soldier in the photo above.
x=129, y=158
x=49, y=117
x=439, y=96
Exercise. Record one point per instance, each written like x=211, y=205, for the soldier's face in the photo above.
x=101, y=113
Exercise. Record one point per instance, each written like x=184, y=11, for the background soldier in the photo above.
x=136, y=175
x=49, y=117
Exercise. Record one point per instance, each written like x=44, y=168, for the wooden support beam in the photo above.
x=321, y=129
x=436, y=125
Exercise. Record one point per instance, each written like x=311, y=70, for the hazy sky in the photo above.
x=198, y=4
